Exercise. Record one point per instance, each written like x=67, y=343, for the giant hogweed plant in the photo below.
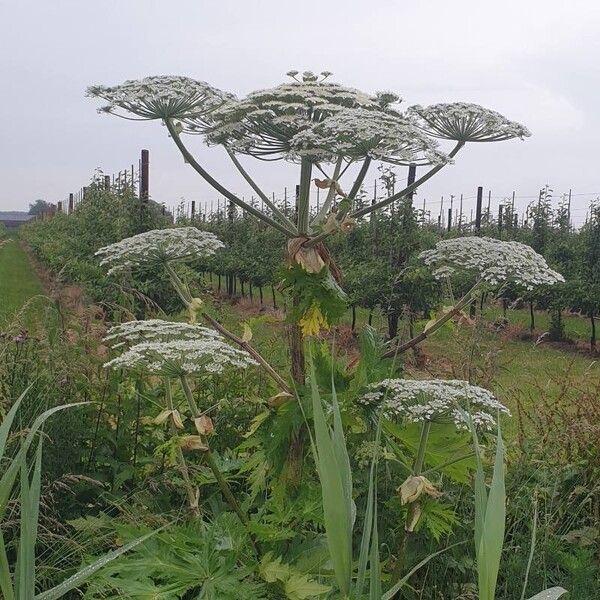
x=182, y=351
x=325, y=128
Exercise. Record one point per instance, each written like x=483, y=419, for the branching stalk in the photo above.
x=192, y=493
x=276, y=212
x=187, y=299
x=221, y=189
x=330, y=195
x=408, y=189
x=439, y=323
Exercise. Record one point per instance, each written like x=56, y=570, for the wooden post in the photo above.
x=145, y=175
x=412, y=175
x=500, y=218
x=478, y=209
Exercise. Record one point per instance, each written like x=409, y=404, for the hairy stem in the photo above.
x=303, y=200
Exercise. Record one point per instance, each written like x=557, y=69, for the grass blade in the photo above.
x=336, y=508
x=75, y=580
x=402, y=582
x=550, y=594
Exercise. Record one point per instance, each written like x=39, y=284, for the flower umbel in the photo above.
x=159, y=245
x=464, y=122
x=154, y=330
x=161, y=97
x=493, y=260
x=434, y=399
x=203, y=355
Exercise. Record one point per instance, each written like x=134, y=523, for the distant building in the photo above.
x=14, y=219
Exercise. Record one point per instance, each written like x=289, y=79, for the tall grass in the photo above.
x=21, y=583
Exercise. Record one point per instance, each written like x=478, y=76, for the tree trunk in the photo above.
x=250, y=291
x=593, y=338
x=273, y=294
x=219, y=286
x=392, y=325
x=242, y=286
x=504, y=307
x=353, y=317
x=260, y=294
x=531, y=317
x=473, y=308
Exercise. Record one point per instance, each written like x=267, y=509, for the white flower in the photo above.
x=493, y=260
x=358, y=133
x=466, y=122
x=159, y=245
x=434, y=399
x=153, y=330
x=162, y=97
x=264, y=123
x=206, y=354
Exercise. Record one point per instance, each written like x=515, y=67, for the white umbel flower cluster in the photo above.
x=161, y=97
x=466, y=122
x=359, y=133
x=205, y=354
x=154, y=330
x=434, y=400
x=159, y=245
x=493, y=260
x=264, y=123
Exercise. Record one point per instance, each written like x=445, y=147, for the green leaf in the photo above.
x=492, y=539
x=334, y=475
x=550, y=594
x=300, y=587
x=272, y=570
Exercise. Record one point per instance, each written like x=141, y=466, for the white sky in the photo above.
x=536, y=62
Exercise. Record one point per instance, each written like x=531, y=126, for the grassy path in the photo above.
x=18, y=280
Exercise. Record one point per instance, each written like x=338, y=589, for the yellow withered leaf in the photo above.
x=204, y=424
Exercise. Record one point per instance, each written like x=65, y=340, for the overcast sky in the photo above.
x=537, y=62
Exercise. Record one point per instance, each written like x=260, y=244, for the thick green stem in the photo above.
x=303, y=199
x=220, y=188
x=192, y=493
x=360, y=178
